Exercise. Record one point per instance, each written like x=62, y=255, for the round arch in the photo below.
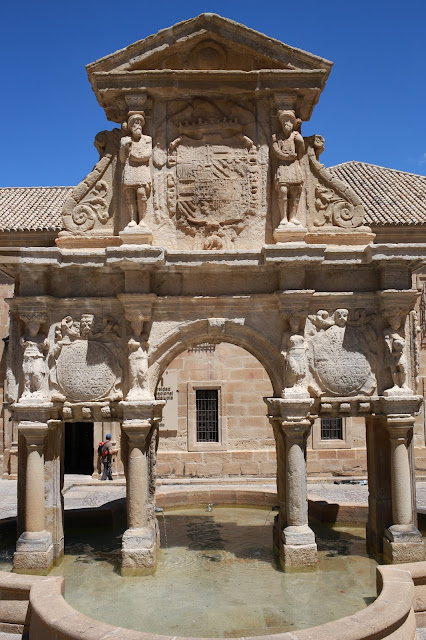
x=216, y=331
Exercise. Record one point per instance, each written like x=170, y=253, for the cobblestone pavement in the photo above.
x=95, y=493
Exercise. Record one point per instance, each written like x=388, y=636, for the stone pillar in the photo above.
x=140, y=540
x=296, y=540
x=391, y=528
x=402, y=541
x=34, y=548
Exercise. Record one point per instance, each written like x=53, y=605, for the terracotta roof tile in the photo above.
x=389, y=196
x=32, y=208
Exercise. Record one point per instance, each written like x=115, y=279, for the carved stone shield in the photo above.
x=86, y=370
x=339, y=361
x=215, y=186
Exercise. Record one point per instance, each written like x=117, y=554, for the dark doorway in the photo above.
x=79, y=447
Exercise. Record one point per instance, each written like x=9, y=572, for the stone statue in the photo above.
x=138, y=370
x=33, y=360
x=296, y=366
x=288, y=146
x=135, y=154
x=395, y=356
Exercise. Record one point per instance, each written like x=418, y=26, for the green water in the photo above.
x=217, y=576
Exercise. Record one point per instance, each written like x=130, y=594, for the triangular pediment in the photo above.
x=208, y=42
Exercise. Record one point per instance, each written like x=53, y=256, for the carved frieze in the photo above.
x=84, y=359
x=340, y=356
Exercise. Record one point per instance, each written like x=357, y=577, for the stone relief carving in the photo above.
x=330, y=201
x=138, y=370
x=34, y=347
x=137, y=347
x=214, y=187
x=339, y=354
x=288, y=148
x=395, y=348
x=135, y=155
x=90, y=206
x=84, y=359
x=293, y=351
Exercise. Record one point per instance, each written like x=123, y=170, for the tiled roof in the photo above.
x=389, y=196
x=32, y=208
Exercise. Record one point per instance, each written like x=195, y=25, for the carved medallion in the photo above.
x=339, y=359
x=85, y=370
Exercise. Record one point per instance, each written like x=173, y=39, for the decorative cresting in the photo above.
x=84, y=359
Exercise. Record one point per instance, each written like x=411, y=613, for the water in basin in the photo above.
x=217, y=576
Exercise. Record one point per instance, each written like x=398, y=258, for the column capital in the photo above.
x=296, y=430
x=33, y=432
x=396, y=405
x=290, y=410
x=399, y=426
x=137, y=431
x=141, y=411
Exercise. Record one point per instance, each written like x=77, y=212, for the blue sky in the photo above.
x=373, y=107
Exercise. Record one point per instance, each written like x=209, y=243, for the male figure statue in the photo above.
x=288, y=146
x=135, y=154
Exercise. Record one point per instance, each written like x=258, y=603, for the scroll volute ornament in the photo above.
x=89, y=207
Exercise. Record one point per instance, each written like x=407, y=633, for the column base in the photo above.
x=403, y=543
x=34, y=553
x=297, y=548
x=139, y=551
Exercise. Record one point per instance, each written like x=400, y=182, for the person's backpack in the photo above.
x=101, y=449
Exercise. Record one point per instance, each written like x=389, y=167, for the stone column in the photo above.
x=296, y=541
x=402, y=541
x=140, y=540
x=34, y=548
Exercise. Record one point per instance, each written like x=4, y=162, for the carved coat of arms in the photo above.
x=216, y=182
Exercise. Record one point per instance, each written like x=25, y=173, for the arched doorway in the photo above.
x=214, y=403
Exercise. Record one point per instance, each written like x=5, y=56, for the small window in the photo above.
x=331, y=428
x=207, y=405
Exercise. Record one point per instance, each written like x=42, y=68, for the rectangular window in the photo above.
x=207, y=411
x=331, y=428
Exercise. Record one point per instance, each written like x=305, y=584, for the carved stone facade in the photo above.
x=184, y=233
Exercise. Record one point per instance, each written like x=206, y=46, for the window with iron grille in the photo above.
x=207, y=410
x=331, y=428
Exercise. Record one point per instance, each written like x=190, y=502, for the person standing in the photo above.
x=107, y=453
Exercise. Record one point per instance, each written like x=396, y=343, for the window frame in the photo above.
x=193, y=444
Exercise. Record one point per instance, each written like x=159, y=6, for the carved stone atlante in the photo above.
x=288, y=148
x=395, y=350
x=135, y=156
x=339, y=355
x=84, y=359
x=138, y=370
x=34, y=349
